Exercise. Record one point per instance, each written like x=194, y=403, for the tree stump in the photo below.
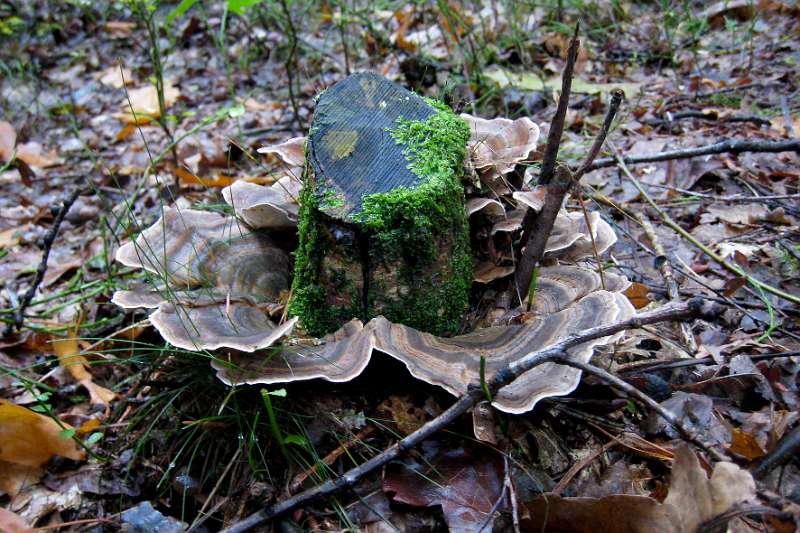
x=382, y=226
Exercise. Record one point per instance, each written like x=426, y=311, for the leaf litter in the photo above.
x=169, y=425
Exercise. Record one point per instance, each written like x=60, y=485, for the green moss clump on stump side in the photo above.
x=411, y=244
x=419, y=238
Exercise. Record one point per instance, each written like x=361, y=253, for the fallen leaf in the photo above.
x=407, y=417
x=36, y=156
x=69, y=356
x=531, y=82
x=119, y=29
x=9, y=237
x=12, y=523
x=745, y=445
x=112, y=77
x=693, y=498
x=465, y=483
x=217, y=180
x=8, y=139
x=17, y=478
x=30, y=439
x=638, y=294
x=141, y=105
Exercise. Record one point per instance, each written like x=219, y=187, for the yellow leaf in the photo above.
x=638, y=293
x=144, y=103
x=69, y=356
x=218, y=180
x=17, y=478
x=30, y=439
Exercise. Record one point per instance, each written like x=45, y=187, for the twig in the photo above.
x=671, y=117
x=300, y=478
x=290, y=60
x=705, y=249
x=665, y=267
x=788, y=123
x=785, y=449
x=533, y=223
x=650, y=366
x=729, y=146
x=47, y=245
x=629, y=389
x=536, y=227
x=558, y=351
x=616, y=100
x=540, y=228
x=557, y=125
x=580, y=465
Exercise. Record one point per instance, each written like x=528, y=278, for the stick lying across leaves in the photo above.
x=695, y=307
x=730, y=146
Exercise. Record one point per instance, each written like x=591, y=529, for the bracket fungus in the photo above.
x=222, y=281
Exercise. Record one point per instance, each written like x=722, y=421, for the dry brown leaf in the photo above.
x=69, y=356
x=218, y=180
x=8, y=139
x=12, y=523
x=144, y=103
x=407, y=417
x=638, y=293
x=119, y=28
x=35, y=155
x=9, y=237
x=17, y=478
x=745, y=444
x=30, y=439
x=695, y=498
x=112, y=77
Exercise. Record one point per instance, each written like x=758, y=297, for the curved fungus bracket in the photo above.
x=291, y=152
x=271, y=208
x=496, y=146
x=220, y=280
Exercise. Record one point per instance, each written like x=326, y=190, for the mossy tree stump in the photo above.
x=382, y=226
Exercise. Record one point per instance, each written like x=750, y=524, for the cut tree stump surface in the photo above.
x=350, y=148
x=382, y=227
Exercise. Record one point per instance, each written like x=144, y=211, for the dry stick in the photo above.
x=645, y=399
x=734, y=147
x=785, y=449
x=669, y=277
x=616, y=100
x=651, y=366
x=689, y=237
x=550, y=155
x=536, y=228
x=47, y=245
x=695, y=307
x=540, y=229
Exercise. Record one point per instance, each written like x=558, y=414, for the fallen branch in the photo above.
x=47, y=245
x=705, y=249
x=536, y=227
x=665, y=267
x=729, y=146
x=558, y=352
x=785, y=449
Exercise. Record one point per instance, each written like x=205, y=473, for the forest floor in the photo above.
x=113, y=111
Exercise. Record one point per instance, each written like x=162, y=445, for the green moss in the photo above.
x=310, y=299
x=410, y=227
x=413, y=244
